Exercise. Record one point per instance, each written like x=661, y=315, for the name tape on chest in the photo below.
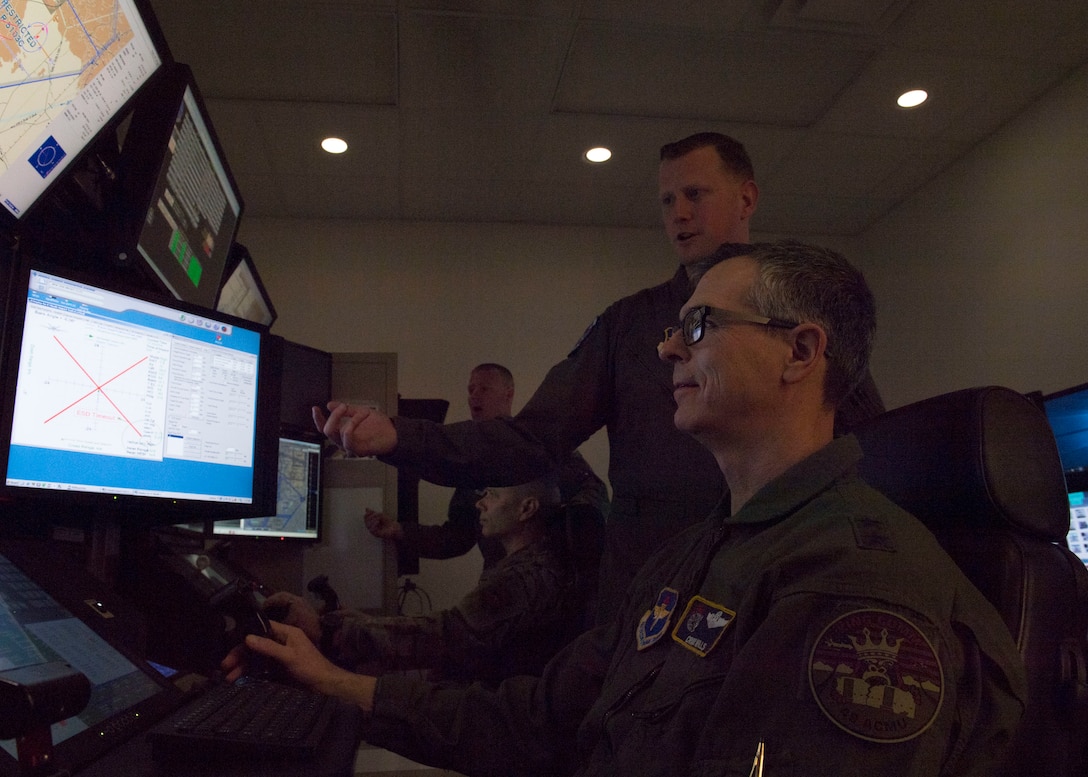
x=702, y=625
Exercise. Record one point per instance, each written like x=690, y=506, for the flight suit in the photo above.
x=820, y=620
x=523, y=610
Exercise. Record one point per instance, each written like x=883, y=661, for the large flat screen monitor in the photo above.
x=179, y=205
x=68, y=71
x=111, y=397
x=54, y=611
x=1067, y=412
x=298, y=498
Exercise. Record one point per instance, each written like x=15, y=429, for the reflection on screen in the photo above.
x=298, y=498
x=35, y=629
x=67, y=70
x=122, y=396
x=242, y=296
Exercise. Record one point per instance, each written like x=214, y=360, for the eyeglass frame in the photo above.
x=688, y=327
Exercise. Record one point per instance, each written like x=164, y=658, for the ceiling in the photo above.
x=479, y=110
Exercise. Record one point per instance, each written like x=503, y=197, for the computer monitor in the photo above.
x=55, y=611
x=298, y=503
x=243, y=294
x=70, y=71
x=306, y=381
x=1067, y=412
x=113, y=400
x=178, y=205
x=1077, y=539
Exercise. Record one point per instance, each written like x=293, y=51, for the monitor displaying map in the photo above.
x=68, y=70
x=298, y=498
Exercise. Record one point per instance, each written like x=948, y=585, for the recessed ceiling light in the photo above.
x=913, y=98
x=334, y=145
x=598, y=154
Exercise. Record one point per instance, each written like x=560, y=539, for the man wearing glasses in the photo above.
x=662, y=481
x=808, y=620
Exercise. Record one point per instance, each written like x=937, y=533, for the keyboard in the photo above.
x=253, y=718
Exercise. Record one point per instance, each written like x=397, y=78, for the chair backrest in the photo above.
x=980, y=468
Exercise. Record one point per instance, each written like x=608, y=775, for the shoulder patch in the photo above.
x=702, y=625
x=876, y=676
x=873, y=534
x=585, y=334
x=656, y=619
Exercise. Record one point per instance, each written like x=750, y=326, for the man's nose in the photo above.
x=680, y=210
x=672, y=348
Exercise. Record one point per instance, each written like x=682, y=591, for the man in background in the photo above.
x=491, y=396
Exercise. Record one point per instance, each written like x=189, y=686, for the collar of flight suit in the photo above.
x=793, y=488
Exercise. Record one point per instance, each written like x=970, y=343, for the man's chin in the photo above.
x=693, y=251
x=684, y=422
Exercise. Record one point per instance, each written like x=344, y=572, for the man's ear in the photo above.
x=749, y=196
x=529, y=507
x=808, y=344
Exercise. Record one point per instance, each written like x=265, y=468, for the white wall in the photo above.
x=446, y=297
x=980, y=277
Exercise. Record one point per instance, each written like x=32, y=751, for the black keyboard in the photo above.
x=254, y=718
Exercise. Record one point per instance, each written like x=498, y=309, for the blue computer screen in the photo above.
x=1067, y=412
x=119, y=395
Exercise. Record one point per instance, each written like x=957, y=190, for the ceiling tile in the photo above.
x=470, y=62
x=781, y=78
x=479, y=110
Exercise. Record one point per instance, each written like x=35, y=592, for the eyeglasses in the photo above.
x=693, y=325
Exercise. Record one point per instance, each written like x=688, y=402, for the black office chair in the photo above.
x=980, y=468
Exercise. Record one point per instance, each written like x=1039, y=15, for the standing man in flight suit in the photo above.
x=662, y=480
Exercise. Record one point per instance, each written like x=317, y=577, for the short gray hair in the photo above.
x=806, y=283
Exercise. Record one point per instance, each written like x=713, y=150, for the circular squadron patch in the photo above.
x=876, y=676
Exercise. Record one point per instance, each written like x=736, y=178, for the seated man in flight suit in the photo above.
x=523, y=610
x=808, y=618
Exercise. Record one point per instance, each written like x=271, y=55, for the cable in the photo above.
x=409, y=588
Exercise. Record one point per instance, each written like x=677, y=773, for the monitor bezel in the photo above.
x=138, y=510
x=30, y=214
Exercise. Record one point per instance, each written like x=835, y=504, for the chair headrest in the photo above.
x=980, y=457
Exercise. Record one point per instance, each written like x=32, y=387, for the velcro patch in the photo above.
x=876, y=676
x=873, y=534
x=702, y=625
x=655, y=621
